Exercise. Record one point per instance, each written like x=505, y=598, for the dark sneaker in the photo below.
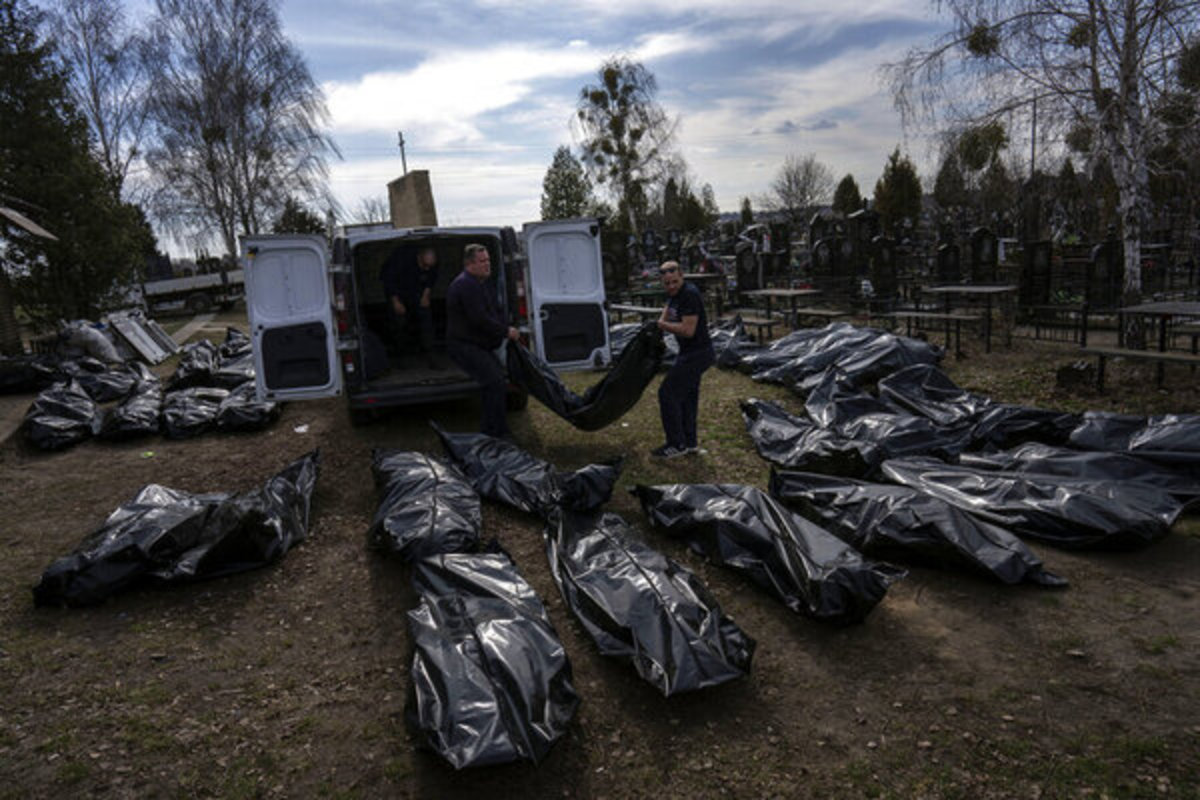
x=667, y=451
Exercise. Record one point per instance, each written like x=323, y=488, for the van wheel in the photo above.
x=198, y=303
x=516, y=400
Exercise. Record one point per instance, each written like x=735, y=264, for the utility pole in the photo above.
x=1032, y=143
x=403, y=160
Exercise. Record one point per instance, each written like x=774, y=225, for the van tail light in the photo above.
x=341, y=305
x=348, y=362
x=522, y=309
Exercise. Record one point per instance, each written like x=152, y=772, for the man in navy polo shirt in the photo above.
x=474, y=330
x=679, y=395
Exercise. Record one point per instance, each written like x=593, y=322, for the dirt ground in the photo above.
x=291, y=680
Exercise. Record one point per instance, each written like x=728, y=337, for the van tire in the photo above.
x=516, y=400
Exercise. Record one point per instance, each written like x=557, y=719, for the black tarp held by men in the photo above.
x=605, y=402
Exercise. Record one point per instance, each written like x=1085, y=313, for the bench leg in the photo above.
x=1100, y=375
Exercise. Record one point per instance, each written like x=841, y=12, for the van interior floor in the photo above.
x=414, y=368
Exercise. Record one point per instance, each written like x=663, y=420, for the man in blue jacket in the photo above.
x=474, y=330
x=679, y=395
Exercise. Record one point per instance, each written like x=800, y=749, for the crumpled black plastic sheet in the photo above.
x=797, y=443
x=1170, y=439
x=835, y=403
x=60, y=417
x=798, y=359
x=623, y=333
x=25, y=373
x=1074, y=513
x=138, y=413
x=731, y=342
x=605, y=402
x=899, y=523
x=490, y=680
x=236, y=345
x=803, y=565
x=1044, y=459
x=502, y=471
x=191, y=412
x=926, y=391
x=639, y=605
x=112, y=383
x=426, y=506
x=165, y=535
x=197, y=363
x=241, y=410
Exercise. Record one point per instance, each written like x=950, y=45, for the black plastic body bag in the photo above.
x=896, y=522
x=490, y=680
x=165, y=536
x=807, y=568
x=639, y=605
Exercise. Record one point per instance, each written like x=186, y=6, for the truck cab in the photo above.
x=321, y=321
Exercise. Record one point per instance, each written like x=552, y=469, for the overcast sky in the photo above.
x=484, y=91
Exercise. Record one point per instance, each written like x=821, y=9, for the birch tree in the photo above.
x=1100, y=70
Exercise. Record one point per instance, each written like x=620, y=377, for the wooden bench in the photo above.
x=1192, y=331
x=1168, y=357
x=645, y=312
x=957, y=318
x=829, y=314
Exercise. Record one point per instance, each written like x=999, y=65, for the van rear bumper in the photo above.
x=411, y=394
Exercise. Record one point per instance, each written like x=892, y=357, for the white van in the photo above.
x=320, y=323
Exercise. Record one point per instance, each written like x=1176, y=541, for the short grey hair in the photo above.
x=471, y=252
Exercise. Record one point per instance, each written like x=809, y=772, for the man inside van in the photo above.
x=409, y=282
x=474, y=330
x=679, y=395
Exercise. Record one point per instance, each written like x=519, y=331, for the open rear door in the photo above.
x=288, y=301
x=565, y=286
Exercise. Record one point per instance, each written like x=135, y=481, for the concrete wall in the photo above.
x=411, y=199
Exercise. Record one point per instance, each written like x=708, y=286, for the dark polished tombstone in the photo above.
x=885, y=283
x=1035, y=274
x=949, y=264
x=984, y=256
x=1106, y=274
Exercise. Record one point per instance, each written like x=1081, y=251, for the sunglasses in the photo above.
x=668, y=271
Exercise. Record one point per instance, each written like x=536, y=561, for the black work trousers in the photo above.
x=483, y=365
x=679, y=397
x=416, y=324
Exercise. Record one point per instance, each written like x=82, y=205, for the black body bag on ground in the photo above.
x=1074, y=513
x=426, y=506
x=490, y=680
x=22, y=374
x=926, y=391
x=503, y=472
x=1043, y=459
x=796, y=443
x=112, y=383
x=639, y=605
x=166, y=536
x=807, y=568
x=61, y=416
x=607, y=401
x=138, y=414
x=1172, y=440
x=191, y=412
x=898, y=523
x=835, y=403
x=197, y=363
x=243, y=411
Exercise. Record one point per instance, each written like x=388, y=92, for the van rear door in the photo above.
x=565, y=287
x=288, y=301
